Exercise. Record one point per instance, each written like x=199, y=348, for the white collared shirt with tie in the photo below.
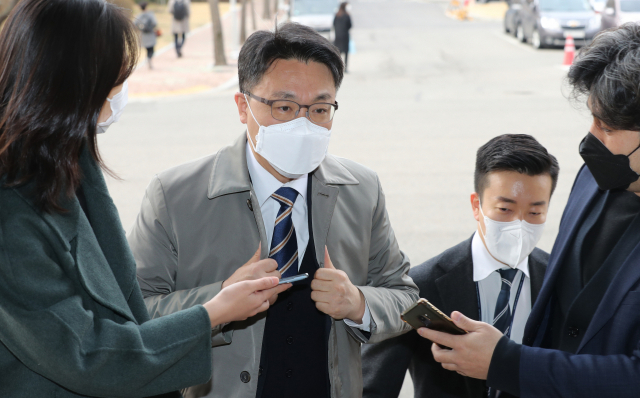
x=264, y=185
x=490, y=283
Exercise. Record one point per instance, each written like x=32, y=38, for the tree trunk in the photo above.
x=6, y=9
x=266, y=11
x=219, y=57
x=243, y=21
x=253, y=15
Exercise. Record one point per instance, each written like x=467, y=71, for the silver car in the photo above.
x=618, y=12
x=547, y=23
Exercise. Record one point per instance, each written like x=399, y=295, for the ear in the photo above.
x=241, y=102
x=475, y=206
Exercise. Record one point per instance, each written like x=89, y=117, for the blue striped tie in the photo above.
x=284, y=244
x=502, y=314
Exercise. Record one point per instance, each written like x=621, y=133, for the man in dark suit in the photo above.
x=493, y=276
x=582, y=338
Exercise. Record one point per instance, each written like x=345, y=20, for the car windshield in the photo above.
x=630, y=5
x=306, y=7
x=565, y=5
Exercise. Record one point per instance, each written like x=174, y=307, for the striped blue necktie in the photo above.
x=284, y=244
x=502, y=315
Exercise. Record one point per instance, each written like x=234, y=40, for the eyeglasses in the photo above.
x=285, y=110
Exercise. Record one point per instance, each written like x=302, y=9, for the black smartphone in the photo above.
x=424, y=314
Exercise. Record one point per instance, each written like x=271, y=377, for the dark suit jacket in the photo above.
x=607, y=362
x=72, y=318
x=447, y=282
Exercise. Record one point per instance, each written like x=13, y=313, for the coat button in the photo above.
x=249, y=205
x=245, y=377
x=574, y=332
x=289, y=306
x=290, y=340
x=260, y=371
x=289, y=373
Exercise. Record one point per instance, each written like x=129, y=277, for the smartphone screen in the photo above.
x=292, y=279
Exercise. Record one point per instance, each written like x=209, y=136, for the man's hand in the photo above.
x=255, y=269
x=470, y=354
x=334, y=293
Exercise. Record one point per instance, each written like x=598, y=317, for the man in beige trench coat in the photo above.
x=277, y=191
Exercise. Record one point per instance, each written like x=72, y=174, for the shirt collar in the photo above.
x=265, y=184
x=484, y=264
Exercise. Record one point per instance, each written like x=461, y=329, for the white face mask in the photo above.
x=510, y=242
x=117, y=103
x=294, y=148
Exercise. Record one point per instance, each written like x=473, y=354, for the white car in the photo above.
x=317, y=14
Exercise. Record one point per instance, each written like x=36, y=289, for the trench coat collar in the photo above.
x=230, y=174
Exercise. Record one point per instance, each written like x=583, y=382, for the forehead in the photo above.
x=514, y=185
x=300, y=78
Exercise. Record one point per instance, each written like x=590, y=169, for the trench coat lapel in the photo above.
x=324, y=198
x=230, y=175
x=108, y=268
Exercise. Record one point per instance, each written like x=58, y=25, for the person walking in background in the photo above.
x=341, y=26
x=73, y=321
x=147, y=23
x=180, y=9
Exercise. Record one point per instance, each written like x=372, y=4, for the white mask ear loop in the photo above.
x=484, y=235
x=254, y=118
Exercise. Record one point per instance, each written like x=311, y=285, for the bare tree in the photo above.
x=266, y=9
x=243, y=21
x=5, y=9
x=219, y=57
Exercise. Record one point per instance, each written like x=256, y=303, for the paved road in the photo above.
x=423, y=93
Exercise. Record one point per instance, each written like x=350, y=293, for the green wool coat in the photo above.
x=72, y=318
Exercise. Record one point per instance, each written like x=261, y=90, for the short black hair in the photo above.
x=514, y=152
x=288, y=41
x=607, y=72
x=143, y=5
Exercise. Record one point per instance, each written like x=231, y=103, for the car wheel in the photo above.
x=535, y=39
x=520, y=33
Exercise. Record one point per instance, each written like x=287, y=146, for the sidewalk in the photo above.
x=195, y=71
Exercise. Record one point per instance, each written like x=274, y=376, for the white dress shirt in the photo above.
x=489, y=285
x=264, y=185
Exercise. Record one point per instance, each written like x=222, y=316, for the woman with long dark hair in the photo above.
x=72, y=317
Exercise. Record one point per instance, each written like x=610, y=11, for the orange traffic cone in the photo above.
x=569, y=51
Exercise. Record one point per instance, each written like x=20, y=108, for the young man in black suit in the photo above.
x=494, y=276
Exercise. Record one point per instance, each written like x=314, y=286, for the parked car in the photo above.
x=317, y=14
x=618, y=12
x=511, y=16
x=546, y=23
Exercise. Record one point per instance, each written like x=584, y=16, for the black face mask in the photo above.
x=610, y=171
